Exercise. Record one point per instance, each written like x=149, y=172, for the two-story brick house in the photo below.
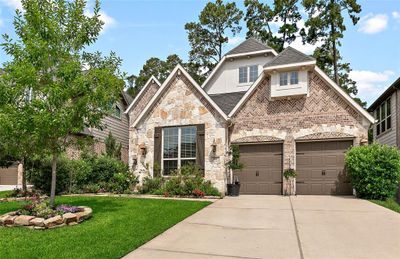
x=281, y=109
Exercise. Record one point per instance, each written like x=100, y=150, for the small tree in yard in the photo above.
x=48, y=60
x=374, y=170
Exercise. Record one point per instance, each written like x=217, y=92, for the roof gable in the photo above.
x=247, y=46
x=178, y=71
x=289, y=56
x=152, y=80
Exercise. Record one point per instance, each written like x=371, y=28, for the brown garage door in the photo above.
x=321, y=168
x=9, y=176
x=262, y=172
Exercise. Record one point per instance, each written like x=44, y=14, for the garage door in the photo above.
x=321, y=168
x=262, y=172
x=9, y=176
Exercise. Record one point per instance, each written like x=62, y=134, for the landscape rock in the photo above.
x=38, y=222
x=69, y=218
x=8, y=220
x=23, y=220
x=85, y=214
x=54, y=221
x=57, y=226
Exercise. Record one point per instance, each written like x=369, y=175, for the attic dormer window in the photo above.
x=242, y=75
x=284, y=78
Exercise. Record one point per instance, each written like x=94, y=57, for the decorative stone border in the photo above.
x=19, y=198
x=11, y=219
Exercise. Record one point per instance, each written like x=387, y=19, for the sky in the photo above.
x=140, y=29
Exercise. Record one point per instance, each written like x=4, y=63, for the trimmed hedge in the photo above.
x=374, y=171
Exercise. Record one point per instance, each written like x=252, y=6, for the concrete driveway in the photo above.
x=281, y=227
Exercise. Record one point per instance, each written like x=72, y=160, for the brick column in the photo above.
x=289, y=161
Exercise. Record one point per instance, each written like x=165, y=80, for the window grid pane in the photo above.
x=188, y=142
x=170, y=143
x=242, y=75
x=294, y=78
x=169, y=166
x=185, y=162
x=283, y=78
x=253, y=73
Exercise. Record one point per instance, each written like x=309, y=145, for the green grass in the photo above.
x=3, y=194
x=389, y=203
x=118, y=226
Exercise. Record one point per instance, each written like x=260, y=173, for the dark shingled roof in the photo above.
x=388, y=92
x=289, y=56
x=227, y=101
x=249, y=45
x=128, y=98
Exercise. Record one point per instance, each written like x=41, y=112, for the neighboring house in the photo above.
x=281, y=110
x=386, y=110
x=117, y=124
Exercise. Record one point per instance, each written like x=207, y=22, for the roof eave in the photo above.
x=299, y=64
x=388, y=92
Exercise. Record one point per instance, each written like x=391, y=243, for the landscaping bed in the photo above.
x=388, y=203
x=118, y=226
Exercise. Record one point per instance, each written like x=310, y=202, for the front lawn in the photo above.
x=389, y=203
x=118, y=226
x=3, y=194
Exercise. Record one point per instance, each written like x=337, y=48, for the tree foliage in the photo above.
x=276, y=25
x=113, y=149
x=208, y=36
x=48, y=60
x=325, y=24
x=161, y=70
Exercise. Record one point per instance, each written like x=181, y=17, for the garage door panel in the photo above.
x=9, y=176
x=320, y=167
x=262, y=169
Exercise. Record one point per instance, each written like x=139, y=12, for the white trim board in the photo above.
x=291, y=65
x=165, y=84
x=142, y=91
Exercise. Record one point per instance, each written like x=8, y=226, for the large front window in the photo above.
x=179, y=148
x=383, y=115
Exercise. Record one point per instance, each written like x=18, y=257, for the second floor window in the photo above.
x=242, y=75
x=383, y=115
x=117, y=112
x=253, y=73
x=289, y=77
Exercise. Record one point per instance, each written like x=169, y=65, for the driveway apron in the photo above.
x=281, y=227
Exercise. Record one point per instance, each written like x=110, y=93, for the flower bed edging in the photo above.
x=11, y=219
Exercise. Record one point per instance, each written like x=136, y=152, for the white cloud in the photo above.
x=396, y=15
x=371, y=84
x=16, y=4
x=371, y=24
x=235, y=40
x=109, y=21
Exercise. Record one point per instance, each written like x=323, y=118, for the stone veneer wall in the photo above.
x=181, y=104
x=324, y=114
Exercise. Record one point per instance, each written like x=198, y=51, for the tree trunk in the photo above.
x=53, y=179
x=335, y=57
x=24, y=188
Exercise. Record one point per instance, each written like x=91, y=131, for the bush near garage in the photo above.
x=185, y=182
x=374, y=171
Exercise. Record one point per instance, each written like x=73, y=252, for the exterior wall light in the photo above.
x=143, y=149
x=214, y=148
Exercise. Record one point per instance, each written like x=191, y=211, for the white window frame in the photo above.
x=179, y=158
x=297, y=77
x=120, y=111
x=280, y=78
x=251, y=80
x=247, y=75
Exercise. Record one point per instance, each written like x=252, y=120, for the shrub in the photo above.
x=39, y=174
x=151, y=185
x=91, y=188
x=104, y=168
x=374, y=170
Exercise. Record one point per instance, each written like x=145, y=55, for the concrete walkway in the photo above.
x=281, y=227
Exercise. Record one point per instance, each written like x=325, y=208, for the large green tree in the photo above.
x=208, y=36
x=161, y=70
x=326, y=24
x=274, y=25
x=71, y=89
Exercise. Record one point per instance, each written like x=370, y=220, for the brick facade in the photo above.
x=324, y=114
